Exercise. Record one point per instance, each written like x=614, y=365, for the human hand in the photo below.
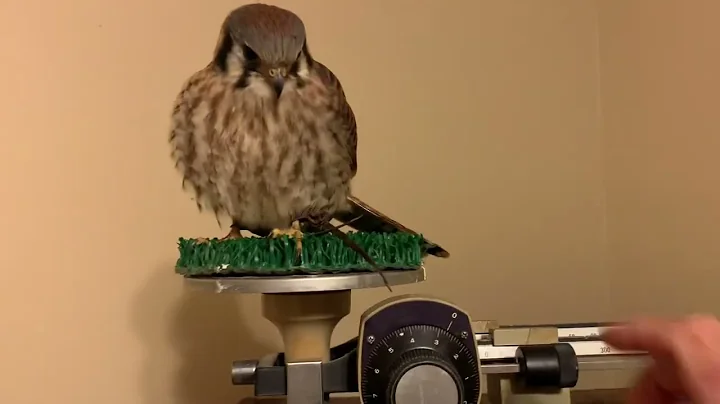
x=686, y=358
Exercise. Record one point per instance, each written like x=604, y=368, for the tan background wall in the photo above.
x=563, y=152
x=659, y=64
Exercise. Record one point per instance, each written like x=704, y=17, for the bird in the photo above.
x=264, y=134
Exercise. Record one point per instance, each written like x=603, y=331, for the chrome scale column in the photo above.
x=305, y=309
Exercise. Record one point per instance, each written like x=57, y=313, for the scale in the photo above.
x=410, y=349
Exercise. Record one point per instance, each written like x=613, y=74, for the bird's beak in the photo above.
x=277, y=84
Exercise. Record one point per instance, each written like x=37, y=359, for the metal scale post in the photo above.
x=305, y=309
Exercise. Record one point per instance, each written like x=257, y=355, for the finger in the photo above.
x=653, y=336
x=647, y=334
x=647, y=390
x=685, y=352
x=697, y=348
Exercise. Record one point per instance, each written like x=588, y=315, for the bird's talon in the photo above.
x=293, y=232
x=233, y=234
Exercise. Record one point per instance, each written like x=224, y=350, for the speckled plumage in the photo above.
x=260, y=159
x=264, y=134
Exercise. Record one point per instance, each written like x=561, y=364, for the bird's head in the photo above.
x=263, y=45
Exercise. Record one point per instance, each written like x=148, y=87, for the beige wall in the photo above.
x=660, y=86
x=561, y=161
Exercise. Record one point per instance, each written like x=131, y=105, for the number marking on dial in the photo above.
x=386, y=363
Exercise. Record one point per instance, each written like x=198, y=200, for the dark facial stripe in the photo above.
x=220, y=59
x=306, y=52
x=252, y=60
x=243, y=81
x=252, y=63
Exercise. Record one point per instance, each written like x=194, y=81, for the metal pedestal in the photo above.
x=305, y=309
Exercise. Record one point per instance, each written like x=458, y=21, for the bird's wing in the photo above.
x=182, y=138
x=365, y=218
x=361, y=217
x=192, y=143
x=345, y=128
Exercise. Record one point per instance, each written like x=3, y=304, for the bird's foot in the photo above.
x=232, y=235
x=294, y=232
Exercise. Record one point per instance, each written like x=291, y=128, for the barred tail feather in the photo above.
x=365, y=218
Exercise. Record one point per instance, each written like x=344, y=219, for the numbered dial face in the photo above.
x=416, y=349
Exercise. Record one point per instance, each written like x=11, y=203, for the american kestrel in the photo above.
x=265, y=135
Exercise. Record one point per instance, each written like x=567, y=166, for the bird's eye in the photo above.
x=272, y=72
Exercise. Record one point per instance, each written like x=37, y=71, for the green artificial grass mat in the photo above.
x=321, y=254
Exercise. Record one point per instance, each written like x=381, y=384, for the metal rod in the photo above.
x=607, y=362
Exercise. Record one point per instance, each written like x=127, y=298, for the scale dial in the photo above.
x=420, y=363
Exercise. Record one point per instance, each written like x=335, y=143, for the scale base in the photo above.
x=305, y=309
x=543, y=369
